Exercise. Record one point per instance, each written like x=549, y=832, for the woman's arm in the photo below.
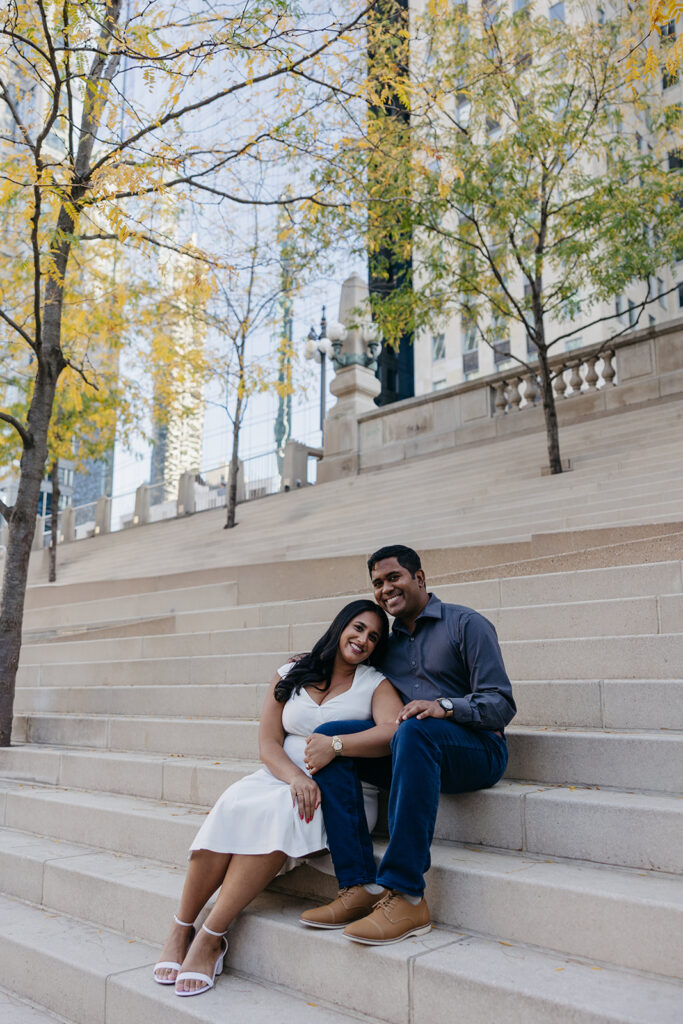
x=386, y=705
x=271, y=736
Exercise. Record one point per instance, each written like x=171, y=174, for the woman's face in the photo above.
x=360, y=637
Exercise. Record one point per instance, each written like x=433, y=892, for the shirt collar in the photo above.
x=432, y=610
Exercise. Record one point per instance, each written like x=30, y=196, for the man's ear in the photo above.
x=420, y=577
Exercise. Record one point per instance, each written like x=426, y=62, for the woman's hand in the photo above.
x=306, y=794
x=319, y=752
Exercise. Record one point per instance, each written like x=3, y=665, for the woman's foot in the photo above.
x=201, y=959
x=173, y=952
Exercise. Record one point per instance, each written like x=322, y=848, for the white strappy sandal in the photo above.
x=197, y=976
x=171, y=964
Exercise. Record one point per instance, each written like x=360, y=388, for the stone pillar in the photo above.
x=355, y=385
x=103, y=516
x=295, y=464
x=68, y=525
x=37, y=544
x=141, y=513
x=186, y=499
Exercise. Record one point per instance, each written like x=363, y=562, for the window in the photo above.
x=463, y=109
x=639, y=142
x=470, y=363
x=519, y=5
x=572, y=343
x=488, y=13
x=667, y=32
x=651, y=320
x=492, y=128
x=631, y=313
x=619, y=308
x=676, y=160
x=437, y=385
x=556, y=11
x=438, y=347
x=468, y=326
x=501, y=351
x=669, y=79
x=680, y=296
x=660, y=293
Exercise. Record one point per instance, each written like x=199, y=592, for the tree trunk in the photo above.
x=549, y=412
x=234, y=468
x=54, y=521
x=22, y=526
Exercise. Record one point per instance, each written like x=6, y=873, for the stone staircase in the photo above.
x=556, y=895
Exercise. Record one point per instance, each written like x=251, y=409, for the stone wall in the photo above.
x=645, y=366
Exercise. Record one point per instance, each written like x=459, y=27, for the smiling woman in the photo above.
x=262, y=824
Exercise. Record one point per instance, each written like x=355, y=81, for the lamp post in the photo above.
x=318, y=347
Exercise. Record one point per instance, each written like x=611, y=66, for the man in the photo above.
x=445, y=661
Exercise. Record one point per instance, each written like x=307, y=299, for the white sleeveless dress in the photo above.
x=255, y=815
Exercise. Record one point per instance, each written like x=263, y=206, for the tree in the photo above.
x=247, y=303
x=106, y=109
x=532, y=193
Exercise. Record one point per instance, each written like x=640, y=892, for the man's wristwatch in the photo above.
x=337, y=745
x=447, y=704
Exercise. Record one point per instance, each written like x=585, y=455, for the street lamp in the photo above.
x=318, y=347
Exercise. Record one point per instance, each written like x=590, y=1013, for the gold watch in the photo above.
x=337, y=745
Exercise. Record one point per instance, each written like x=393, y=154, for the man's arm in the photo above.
x=490, y=705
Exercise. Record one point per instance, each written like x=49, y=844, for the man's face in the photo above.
x=400, y=594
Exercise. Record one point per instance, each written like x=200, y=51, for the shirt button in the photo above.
x=412, y=639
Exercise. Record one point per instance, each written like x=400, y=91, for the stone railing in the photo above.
x=643, y=366
x=573, y=374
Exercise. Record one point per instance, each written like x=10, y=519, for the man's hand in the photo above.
x=421, y=709
x=319, y=752
x=306, y=794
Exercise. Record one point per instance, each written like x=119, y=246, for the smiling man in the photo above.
x=445, y=661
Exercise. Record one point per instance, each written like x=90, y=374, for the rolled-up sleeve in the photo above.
x=490, y=705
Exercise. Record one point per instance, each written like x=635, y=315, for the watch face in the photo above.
x=446, y=704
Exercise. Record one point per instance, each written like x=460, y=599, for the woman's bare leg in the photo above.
x=246, y=877
x=205, y=874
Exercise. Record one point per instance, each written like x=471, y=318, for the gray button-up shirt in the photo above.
x=454, y=652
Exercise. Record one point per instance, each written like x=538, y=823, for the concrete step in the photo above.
x=268, y=943
x=640, y=759
x=627, y=828
x=578, y=703
x=630, y=829
x=648, y=656
x=573, y=908
x=20, y=1011
x=102, y=977
x=127, y=606
x=615, y=617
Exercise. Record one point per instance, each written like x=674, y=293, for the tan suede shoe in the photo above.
x=350, y=904
x=394, y=918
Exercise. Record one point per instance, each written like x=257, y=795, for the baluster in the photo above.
x=575, y=379
x=515, y=394
x=531, y=389
x=591, y=377
x=608, y=370
x=560, y=383
x=501, y=401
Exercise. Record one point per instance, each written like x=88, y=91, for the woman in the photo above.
x=273, y=815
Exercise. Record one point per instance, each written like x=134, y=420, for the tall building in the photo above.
x=455, y=352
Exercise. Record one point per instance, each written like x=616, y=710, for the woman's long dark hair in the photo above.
x=316, y=667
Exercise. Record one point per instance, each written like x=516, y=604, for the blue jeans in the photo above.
x=428, y=757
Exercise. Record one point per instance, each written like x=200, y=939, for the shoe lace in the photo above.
x=388, y=899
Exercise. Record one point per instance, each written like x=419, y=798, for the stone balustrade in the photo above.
x=641, y=367
x=573, y=374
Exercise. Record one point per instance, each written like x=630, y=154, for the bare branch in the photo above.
x=20, y=330
x=5, y=510
x=24, y=434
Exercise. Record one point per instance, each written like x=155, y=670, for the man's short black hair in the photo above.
x=406, y=557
